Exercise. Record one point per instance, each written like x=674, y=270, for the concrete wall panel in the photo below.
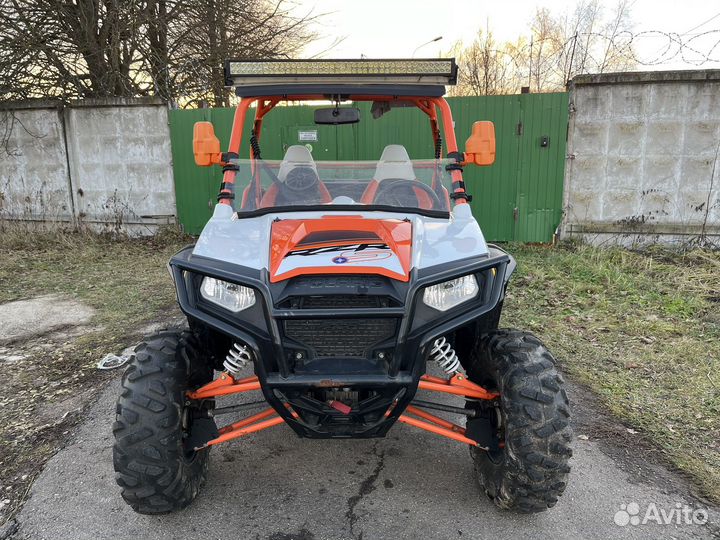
x=33, y=165
x=658, y=168
x=121, y=164
x=115, y=171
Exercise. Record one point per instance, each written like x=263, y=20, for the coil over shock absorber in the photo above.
x=443, y=353
x=237, y=358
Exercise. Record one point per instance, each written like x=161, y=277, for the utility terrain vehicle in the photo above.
x=337, y=283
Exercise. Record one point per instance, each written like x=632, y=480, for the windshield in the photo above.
x=417, y=185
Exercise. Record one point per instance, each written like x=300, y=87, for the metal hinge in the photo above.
x=516, y=213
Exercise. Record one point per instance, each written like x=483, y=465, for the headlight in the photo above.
x=228, y=295
x=449, y=294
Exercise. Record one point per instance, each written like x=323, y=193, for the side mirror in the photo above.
x=337, y=115
x=480, y=146
x=206, y=145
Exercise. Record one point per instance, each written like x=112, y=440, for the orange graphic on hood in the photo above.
x=347, y=245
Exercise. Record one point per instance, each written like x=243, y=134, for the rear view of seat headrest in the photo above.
x=296, y=156
x=394, y=163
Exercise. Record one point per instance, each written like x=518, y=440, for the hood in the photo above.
x=340, y=245
x=387, y=243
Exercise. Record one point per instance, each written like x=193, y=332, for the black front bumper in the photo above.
x=315, y=337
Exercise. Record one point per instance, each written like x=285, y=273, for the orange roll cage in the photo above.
x=264, y=105
x=458, y=385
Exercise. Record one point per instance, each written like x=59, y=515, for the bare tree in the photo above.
x=156, y=49
x=556, y=49
x=617, y=34
x=584, y=33
x=170, y=48
x=484, y=69
x=212, y=30
x=61, y=48
x=547, y=45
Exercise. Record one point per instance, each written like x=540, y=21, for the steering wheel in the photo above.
x=301, y=186
x=398, y=191
x=301, y=179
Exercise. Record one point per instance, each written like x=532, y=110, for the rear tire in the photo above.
x=530, y=471
x=155, y=468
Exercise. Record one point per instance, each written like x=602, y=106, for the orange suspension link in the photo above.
x=249, y=420
x=228, y=434
x=225, y=385
x=435, y=419
x=436, y=425
x=458, y=385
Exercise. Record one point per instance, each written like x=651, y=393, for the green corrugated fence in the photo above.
x=518, y=198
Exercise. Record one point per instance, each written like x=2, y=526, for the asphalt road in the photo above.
x=411, y=484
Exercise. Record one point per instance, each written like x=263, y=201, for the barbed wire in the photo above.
x=547, y=62
x=675, y=46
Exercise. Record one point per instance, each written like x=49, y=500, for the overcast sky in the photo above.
x=394, y=28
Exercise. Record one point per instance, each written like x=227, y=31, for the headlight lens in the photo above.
x=228, y=295
x=449, y=294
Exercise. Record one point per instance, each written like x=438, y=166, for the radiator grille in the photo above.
x=340, y=337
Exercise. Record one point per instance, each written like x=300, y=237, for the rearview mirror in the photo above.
x=480, y=146
x=336, y=115
x=206, y=145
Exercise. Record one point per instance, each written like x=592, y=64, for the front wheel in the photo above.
x=156, y=464
x=527, y=431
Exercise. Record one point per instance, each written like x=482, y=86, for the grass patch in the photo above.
x=123, y=279
x=642, y=330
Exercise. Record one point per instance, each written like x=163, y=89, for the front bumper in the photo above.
x=380, y=349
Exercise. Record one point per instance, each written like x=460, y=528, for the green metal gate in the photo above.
x=519, y=198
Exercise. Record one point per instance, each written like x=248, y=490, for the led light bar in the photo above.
x=275, y=72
